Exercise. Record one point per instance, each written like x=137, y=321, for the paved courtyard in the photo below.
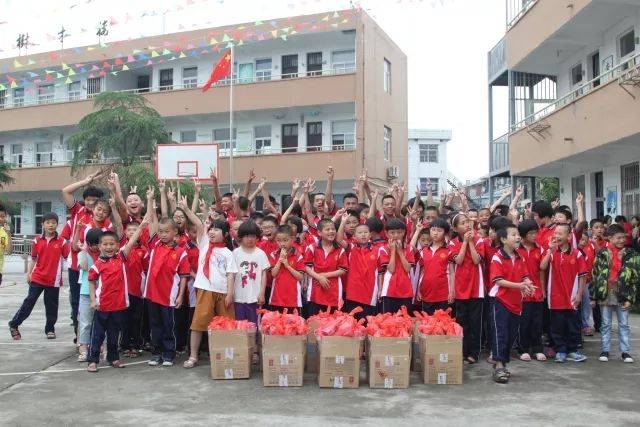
x=42, y=384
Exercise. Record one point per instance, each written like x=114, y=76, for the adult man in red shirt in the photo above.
x=44, y=275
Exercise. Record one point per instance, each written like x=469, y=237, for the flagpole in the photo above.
x=231, y=140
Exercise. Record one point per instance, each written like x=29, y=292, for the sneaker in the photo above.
x=167, y=363
x=561, y=357
x=604, y=356
x=626, y=358
x=82, y=357
x=576, y=356
x=155, y=361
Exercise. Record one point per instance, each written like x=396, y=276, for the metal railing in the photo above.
x=516, y=10
x=21, y=245
x=628, y=66
x=259, y=77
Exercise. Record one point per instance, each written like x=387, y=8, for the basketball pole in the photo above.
x=231, y=140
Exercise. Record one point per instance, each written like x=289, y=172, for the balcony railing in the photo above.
x=224, y=152
x=259, y=77
x=629, y=68
x=516, y=10
x=499, y=154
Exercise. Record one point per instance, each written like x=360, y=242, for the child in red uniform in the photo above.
x=466, y=254
x=510, y=278
x=566, y=283
x=530, y=341
x=78, y=212
x=44, y=274
x=287, y=269
x=365, y=268
x=436, y=290
x=109, y=297
x=396, y=290
x=166, y=283
x=325, y=263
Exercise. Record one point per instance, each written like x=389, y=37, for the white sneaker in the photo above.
x=167, y=363
x=626, y=358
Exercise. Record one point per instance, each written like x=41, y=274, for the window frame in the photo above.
x=387, y=141
x=386, y=75
x=262, y=144
x=19, y=156
x=40, y=154
x=38, y=216
x=430, y=153
x=190, y=82
x=183, y=132
x=435, y=186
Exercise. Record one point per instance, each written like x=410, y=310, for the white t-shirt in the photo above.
x=249, y=277
x=221, y=263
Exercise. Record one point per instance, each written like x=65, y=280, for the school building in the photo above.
x=569, y=74
x=309, y=91
x=428, y=161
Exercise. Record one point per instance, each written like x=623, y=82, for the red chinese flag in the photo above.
x=220, y=71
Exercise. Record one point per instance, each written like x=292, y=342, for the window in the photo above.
x=387, y=76
x=343, y=61
x=290, y=138
x=18, y=97
x=3, y=98
x=67, y=152
x=94, y=86
x=627, y=44
x=428, y=153
x=44, y=154
x=576, y=74
x=221, y=136
x=16, y=155
x=166, y=79
x=16, y=220
x=435, y=186
x=630, y=191
x=263, y=69
x=387, y=143
x=289, y=66
x=343, y=135
x=41, y=209
x=188, y=136
x=189, y=77
x=45, y=94
x=314, y=136
x=74, y=91
x=314, y=63
x=262, y=139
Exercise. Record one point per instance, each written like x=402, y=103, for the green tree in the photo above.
x=5, y=176
x=124, y=131
x=548, y=189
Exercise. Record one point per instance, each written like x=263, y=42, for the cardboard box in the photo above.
x=339, y=362
x=416, y=354
x=283, y=360
x=231, y=353
x=312, y=362
x=442, y=359
x=389, y=362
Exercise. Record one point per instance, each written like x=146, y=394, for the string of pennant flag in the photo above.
x=170, y=50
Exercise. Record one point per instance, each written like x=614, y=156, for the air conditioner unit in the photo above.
x=393, y=172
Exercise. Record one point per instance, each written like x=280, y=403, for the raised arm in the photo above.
x=134, y=239
x=117, y=220
x=295, y=189
x=517, y=197
x=374, y=204
x=580, y=225
x=247, y=185
x=113, y=182
x=164, y=206
x=340, y=237
x=430, y=201
x=216, y=189
x=196, y=195
x=67, y=192
x=506, y=193
x=151, y=212
x=192, y=217
x=416, y=235
x=328, y=194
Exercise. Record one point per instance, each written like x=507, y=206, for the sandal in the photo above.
x=501, y=376
x=51, y=335
x=93, y=367
x=540, y=357
x=526, y=357
x=117, y=364
x=190, y=363
x=15, y=333
x=82, y=357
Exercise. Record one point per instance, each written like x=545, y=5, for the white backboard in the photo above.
x=186, y=161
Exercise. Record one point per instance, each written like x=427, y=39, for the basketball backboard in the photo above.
x=186, y=161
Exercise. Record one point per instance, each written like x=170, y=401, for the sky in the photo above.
x=446, y=42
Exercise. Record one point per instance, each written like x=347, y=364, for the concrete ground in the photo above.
x=42, y=384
